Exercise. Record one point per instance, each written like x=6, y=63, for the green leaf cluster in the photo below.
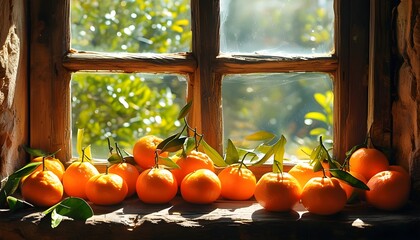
x=320, y=154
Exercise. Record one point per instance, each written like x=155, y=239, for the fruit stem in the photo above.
x=43, y=164
x=156, y=158
x=109, y=145
x=118, y=150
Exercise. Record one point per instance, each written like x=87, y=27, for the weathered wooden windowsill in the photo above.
x=221, y=220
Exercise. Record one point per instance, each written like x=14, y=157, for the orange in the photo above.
x=238, y=183
x=201, y=187
x=193, y=161
x=106, y=189
x=389, y=190
x=368, y=162
x=42, y=188
x=323, y=196
x=303, y=172
x=52, y=164
x=349, y=189
x=129, y=173
x=156, y=185
x=76, y=176
x=144, y=151
x=277, y=192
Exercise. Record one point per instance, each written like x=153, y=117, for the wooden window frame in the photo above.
x=52, y=62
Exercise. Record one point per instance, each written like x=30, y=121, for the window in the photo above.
x=213, y=64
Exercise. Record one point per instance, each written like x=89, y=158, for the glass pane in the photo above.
x=277, y=27
x=131, y=26
x=279, y=103
x=124, y=107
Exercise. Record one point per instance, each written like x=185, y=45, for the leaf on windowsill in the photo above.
x=72, y=207
x=16, y=204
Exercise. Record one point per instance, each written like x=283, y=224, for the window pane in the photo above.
x=124, y=107
x=277, y=27
x=279, y=103
x=131, y=26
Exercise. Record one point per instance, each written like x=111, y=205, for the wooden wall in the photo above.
x=13, y=85
x=406, y=104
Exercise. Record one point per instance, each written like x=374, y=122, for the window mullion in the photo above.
x=205, y=84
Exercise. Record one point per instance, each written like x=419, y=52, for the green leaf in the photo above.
x=316, y=116
x=347, y=177
x=55, y=219
x=35, y=152
x=260, y=136
x=115, y=158
x=279, y=154
x=174, y=145
x=165, y=141
x=189, y=145
x=267, y=155
x=184, y=111
x=213, y=154
x=16, y=204
x=72, y=207
x=318, y=131
x=232, y=155
x=13, y=180
x=321, y=100
x=168, y=162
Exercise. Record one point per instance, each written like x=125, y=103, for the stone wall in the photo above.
x=13, y=85
x=406, y=106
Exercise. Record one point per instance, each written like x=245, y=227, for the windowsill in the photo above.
x=222, y=220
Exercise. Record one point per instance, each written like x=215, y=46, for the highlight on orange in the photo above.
x=42, y=188
x=106, y=189
x=323, y=196
x=389, y=190
x=194, y=160
x=238, y=182
x=76, y=176
x=144, y=151
x=303, y=172
x=51, y=163
x=129, y=173
x=278, y=192
x=156, y=186
x=201, y=187
x=368, y=162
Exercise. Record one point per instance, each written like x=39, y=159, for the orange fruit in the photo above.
x=323, y=196
x=201, y=187
x=237, y=183
x=129, y=173
x=277, y=192
x=106, y=189
x=348, y=188
x=52, y=164
x=303, y=172
x=156, y=185
x=389, y=190
x=144, y=151
x=42, y=188
x=76, y=176
x=193, y=161
x=368, y=162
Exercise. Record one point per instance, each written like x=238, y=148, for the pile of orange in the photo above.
x=197, y=182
